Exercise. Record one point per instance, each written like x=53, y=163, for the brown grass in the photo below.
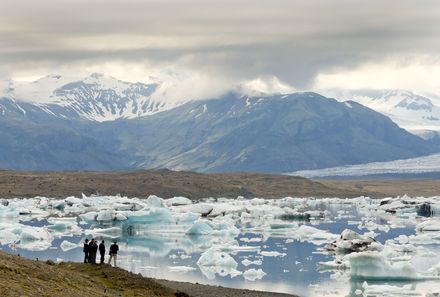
x=163, y=183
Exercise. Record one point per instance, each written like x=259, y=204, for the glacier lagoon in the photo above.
x=305, y=246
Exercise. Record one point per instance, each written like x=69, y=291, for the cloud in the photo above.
x=240, y=40
x=419, y=74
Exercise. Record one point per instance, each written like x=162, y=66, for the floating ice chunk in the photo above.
x=64, y=220
x=253, y=274
x=202, y=208
x=111, y=232
x=57, y=204
x=213, y=257
x=72, y=200
x=187, y=218
x=182, y=269
x=214, y=262
x=253, y=239
x=388, y=290
x=247, y=262
x=8, y=237
x=200, y=228
x=235, y=248
x=428, y=225
x=350, y=242
x=434, y=271
x=105, y=216
x=314, y=235
x=371, y=265
x=257, y=201
x=120, y=217
x=89, y=217
x=67, y=245
x=206, y=227
x=63, y=226
x=34, y=233
x=7, y=212
x=425, y=238
x=176, y=201
x=33, y=238
x=331, y=265
x=273, y=254
x=151, y=216
x=24, y=211
x=154, y=201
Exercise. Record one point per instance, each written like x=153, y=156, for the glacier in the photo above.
x=426, y=164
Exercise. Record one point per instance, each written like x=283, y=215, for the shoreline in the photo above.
x=168, y=184
x=20, y=276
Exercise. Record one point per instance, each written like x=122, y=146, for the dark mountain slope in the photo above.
x=232, y=133
x=271, y=134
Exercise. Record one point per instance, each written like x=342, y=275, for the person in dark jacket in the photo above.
x=93, y=249
x=114, y=248
x=86, y=251
x=102, y=251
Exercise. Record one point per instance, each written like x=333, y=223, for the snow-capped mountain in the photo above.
x=415, y=113
x=96, y=97
x=233, y=132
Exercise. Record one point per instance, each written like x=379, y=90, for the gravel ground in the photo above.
x=197, y=290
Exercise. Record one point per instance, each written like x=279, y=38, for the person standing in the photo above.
x=93, y=246
x=86, y=251
x=114, y=248
x=102, y=251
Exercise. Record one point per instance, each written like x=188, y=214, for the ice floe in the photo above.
x=253, y=274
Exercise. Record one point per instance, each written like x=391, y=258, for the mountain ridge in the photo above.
x=418, y=114
x=234, y=132
x=95, y=97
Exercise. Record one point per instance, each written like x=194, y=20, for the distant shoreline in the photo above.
x=167, y=184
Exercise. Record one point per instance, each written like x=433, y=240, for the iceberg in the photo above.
x=67, y=245
x=253, y=274
x=112, y=232
x=177, y=201
x=372, y=265
x=151, y=216
x=214, y=262
x=273, y=254
x=247, y=262
x=350, y=242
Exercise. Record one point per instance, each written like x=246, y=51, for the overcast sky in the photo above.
x=307, y=44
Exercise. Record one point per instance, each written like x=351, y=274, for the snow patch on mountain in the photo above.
x=415, y=113
x=96, y=97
